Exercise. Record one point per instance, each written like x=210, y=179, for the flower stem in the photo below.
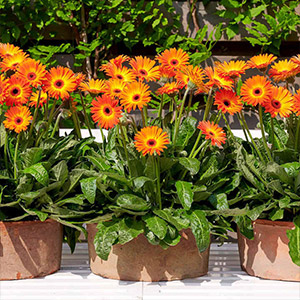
x=161, y=107
x=34, y=115
x=55, y=126
x=75, y=120
x=228, y=126
x=158, y=192
x=263, y=133
x=5, y=151
x=297, y=134
x=87, y=122
x=208, y=105
x=16, y=155
x=124, y=143
x=272, y=132
x=196, y=143
x=189, y=104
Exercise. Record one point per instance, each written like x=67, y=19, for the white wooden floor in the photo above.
x=225, y=280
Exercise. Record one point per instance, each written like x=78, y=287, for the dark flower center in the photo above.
x=174, y=62
x=107, y=111
x=226, y=103
x=151, y=142
x=136, y=97
x=15, y=91
x=257, y=92
x=59, y=84
x=117, y=91
x=31, y=76
x=14, y=65
x=211, y=133
x=276, y=104
x=143, y=72
x=18, y=120
x=120, y=77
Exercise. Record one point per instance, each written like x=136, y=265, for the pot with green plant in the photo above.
x=36, y=166
x=163, y=183
x=269, y=232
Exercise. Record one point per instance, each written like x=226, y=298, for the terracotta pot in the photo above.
x=138, y=260
x=29, y=249
x=267, y=255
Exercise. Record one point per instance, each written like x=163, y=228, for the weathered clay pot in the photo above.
x=29, y=249
x=267, y=255
x=138, y=260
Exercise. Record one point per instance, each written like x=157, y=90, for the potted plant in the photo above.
x=163, y=183
x=269, y=232
x=36, y=166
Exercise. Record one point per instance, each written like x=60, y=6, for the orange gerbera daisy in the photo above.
x=143, y=68
x=3, y=86
x=105, y=111
x=261, y=61
x=228, y=101
x=169, y=88
x=34, y=99
x=296, y=108
x=256, y=90
x=151, y=140
x=232, y=69
x=216, y=80
x=12, y=62
x=17, y=92
x=80, y=77
x=117, y=61
x=173, y=59
x=93, y=86
x=122, y=73
x=114, y=87
x=283, y=70
x=212, y=132
x=281, y=102
x=165, y=73
x=182, y=79
x=196, y=76
x=17, y=118
x=60, y=81
x=135, y=94
x=32, y=71
x=8, y=50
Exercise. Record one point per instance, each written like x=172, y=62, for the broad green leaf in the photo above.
x=129, y=229
x=294, y=241
x=177, y=222
x=98, y=162
x=278, y=172
x=219, y=201
x=32, y=156
x=185, y=193
x=191, y=164
x=140, y=181
x=157, y=225
x=200, y=228
x=132, y=202
x=60, y=171
x=292, y=168
x=89, y=188
x=276, y=214
x=255, y=212
x=186, y=131
x=79, y=199
x=245, y=226
x=38, y=172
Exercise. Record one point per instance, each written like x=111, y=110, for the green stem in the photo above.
x=34, y=115
x=297, y=134
x=102, y=135
x=5, y=151
x=228, y=126
x=178, y=120
x=208, y=105
x=124, y=143
x=16, y=155
x=143, y=119
x=158, y=192
x=87, y=122
x=161, y=107
x=55, y=126
x=189, y=104
x=263, y=133
x=196, y=143
x=145, y=111
x=272, y=132
x=200, y=148
x=242, y=126
x=251, y=138
x=75, y=120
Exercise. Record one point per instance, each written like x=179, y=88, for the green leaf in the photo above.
x=276, y=214
x=200, y=228
x=294, y=241
x=105, y=237
x=38, y=172
x=132, y=202
x=186, y=131
x=157, y=225
x=191, y=164
x=140, y=181
x=278, y=172
x=185, y=193
x=255, y=212
x=177, y=222
x=60, y=171
x=292, y=168
x=89, y=188
x=79, y=199
x=32, y=156
x=245, y=226
x=219, y=201
x=129, y=229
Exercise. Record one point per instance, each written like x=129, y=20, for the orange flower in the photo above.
x=17, y=92
x=169, y=88
x=196, y=76
x=7, y=50
x=12, y=62
x=60, y=81
x=261, y=61
x=256, y=90
x=3, y=86
x=283, y=70
x=135, y=94
x=165, y=73
x=122, y=73
x=296, y=108
x=105, y=111
x=34, y=99
x=143, y=68
x=114, y=87
x=281, y=102
x=173, y=59
x=117, y=61
x=17, y=118
x=232, y=69
x=32, y=71
x=151, y=140
x=93, y=86
x=228, y=101
x=212, y=132
x=182, y=79
x=216, y=80
x=80, y=77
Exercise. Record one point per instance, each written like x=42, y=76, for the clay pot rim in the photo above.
x=31, y=222
x=266, y=222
